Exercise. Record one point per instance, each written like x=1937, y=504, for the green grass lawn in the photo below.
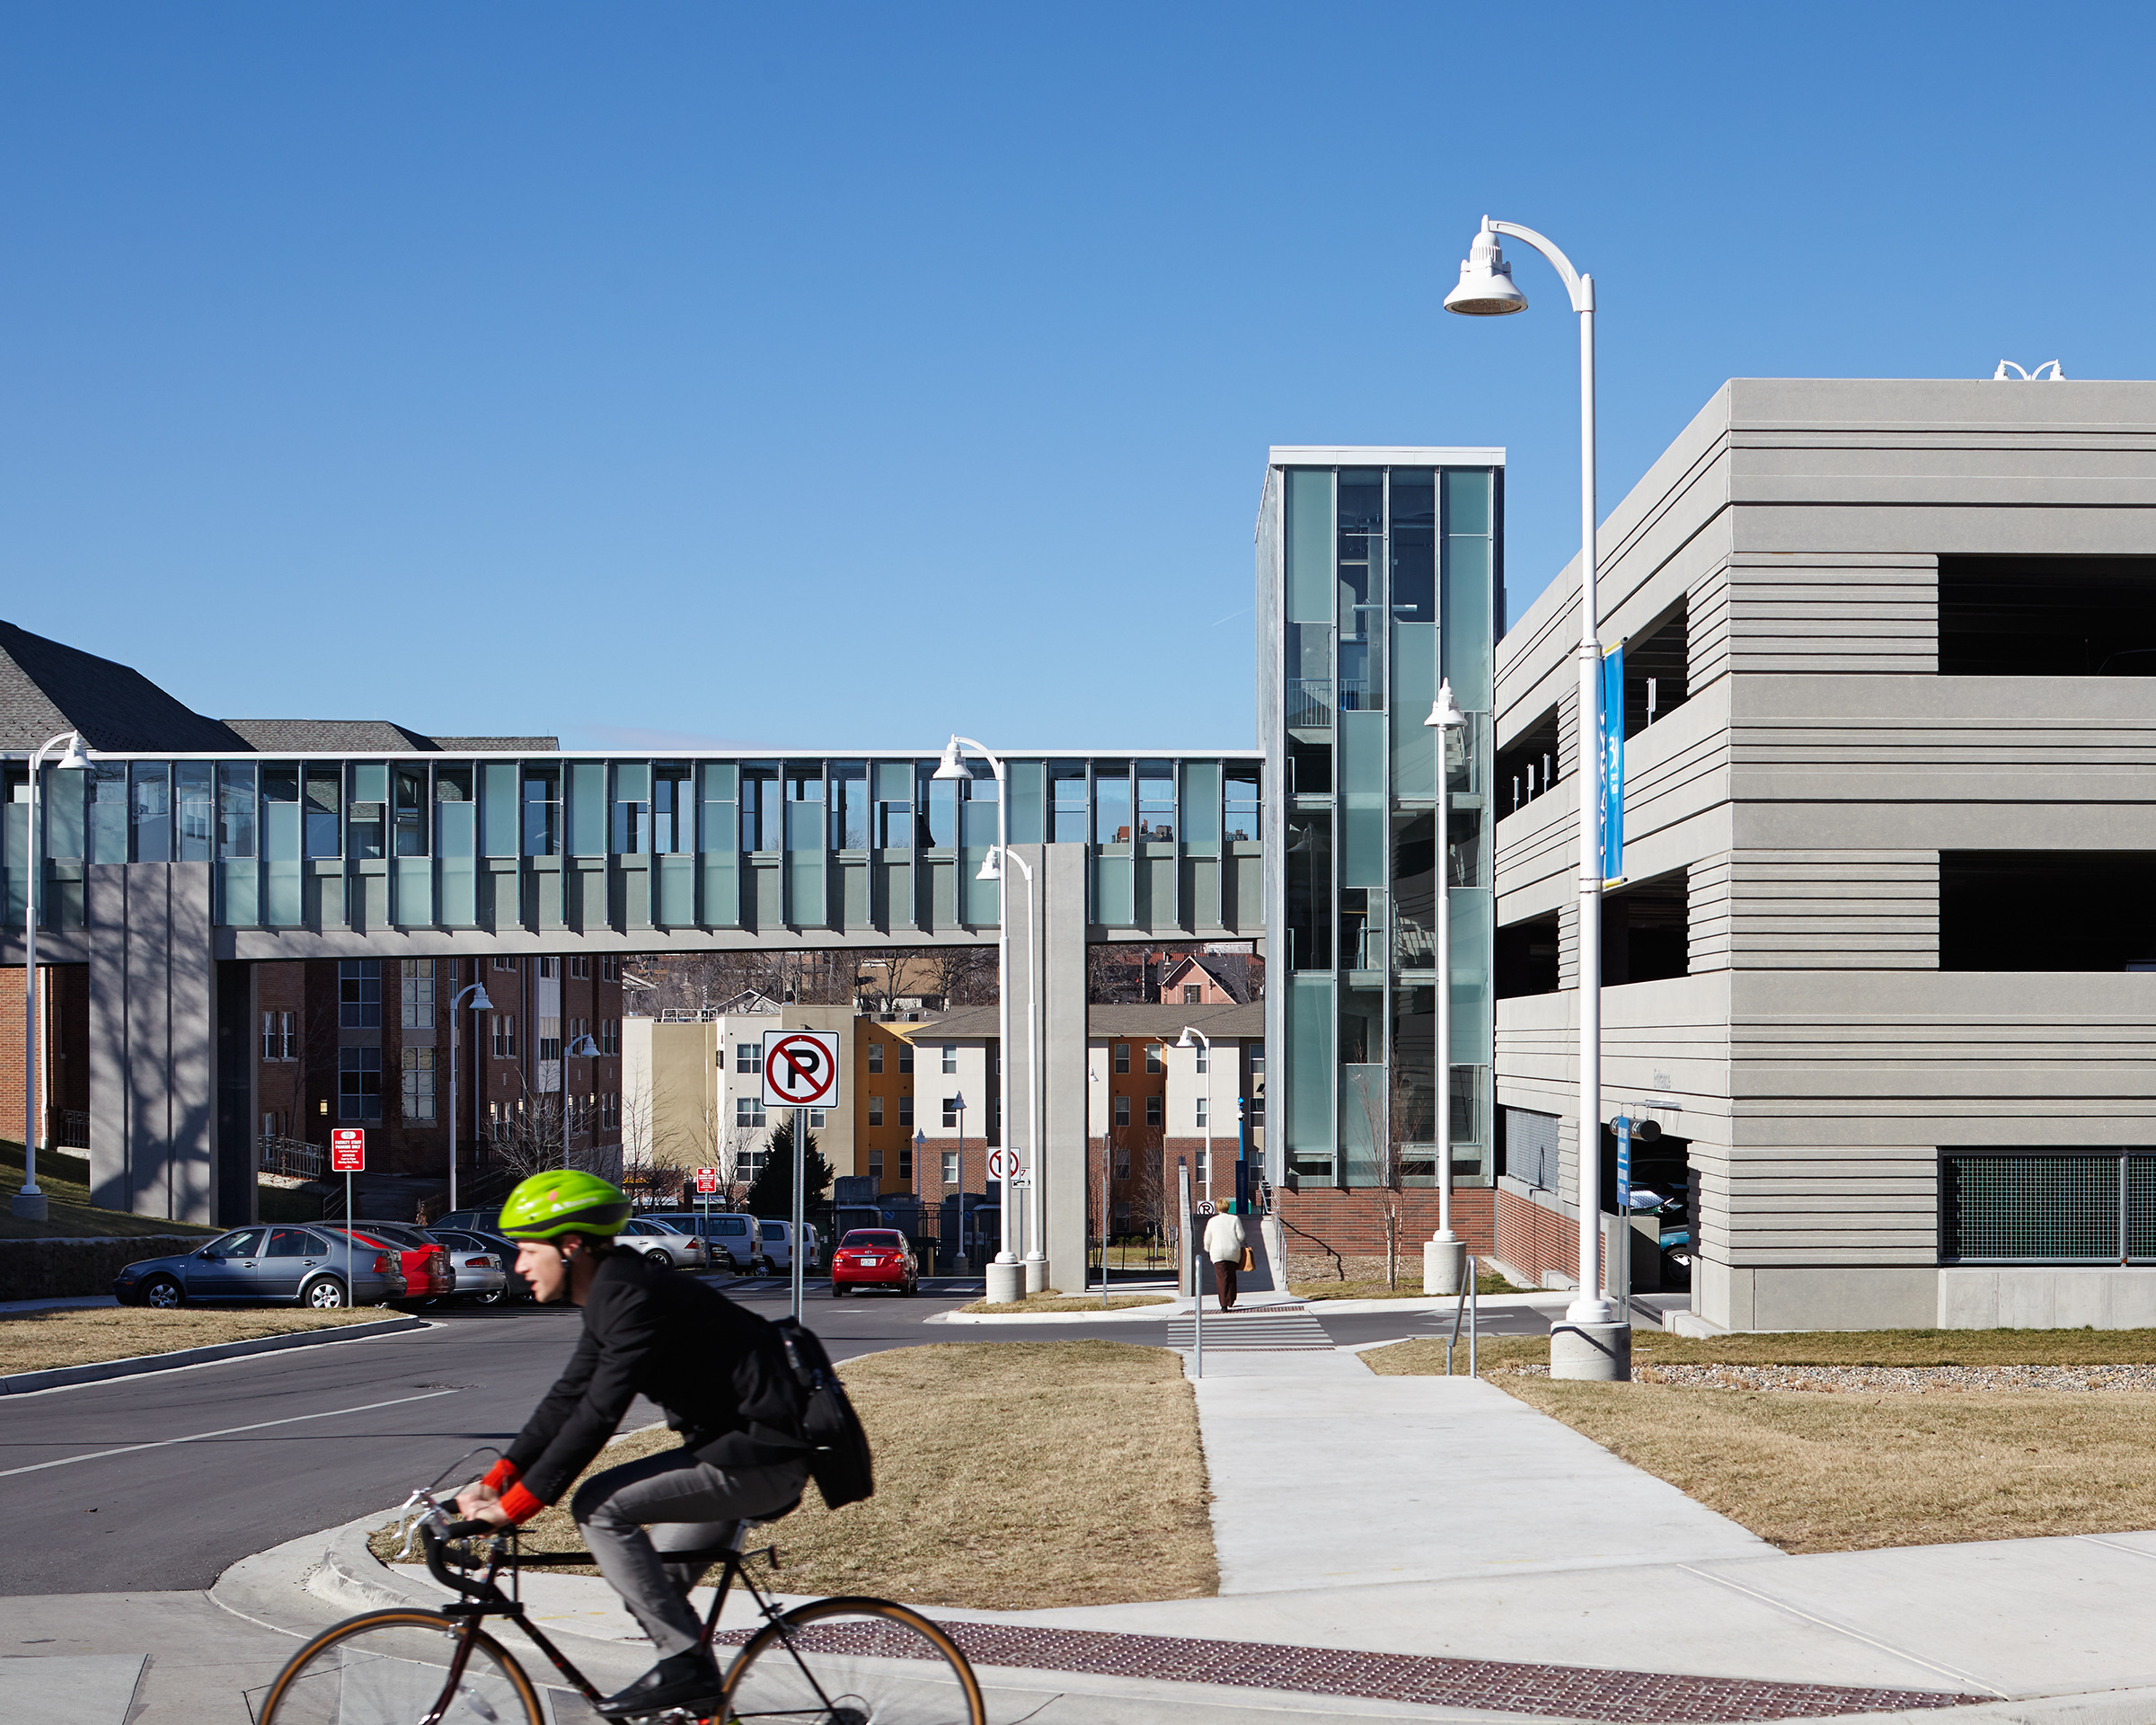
x=65, y=1180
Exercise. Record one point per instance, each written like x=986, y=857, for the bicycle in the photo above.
x=844, y=1660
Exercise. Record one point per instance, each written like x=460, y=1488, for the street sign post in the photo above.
x=800, y=1071
x=1623, y=1290
x=707, y=1183
x=348, y=1156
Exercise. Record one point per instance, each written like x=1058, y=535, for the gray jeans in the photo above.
x=698, y=1504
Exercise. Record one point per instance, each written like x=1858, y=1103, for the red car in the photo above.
x=427, y=1272
x=873, y=1258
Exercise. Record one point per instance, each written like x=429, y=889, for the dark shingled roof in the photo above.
x=46, y=687
x=370, y=736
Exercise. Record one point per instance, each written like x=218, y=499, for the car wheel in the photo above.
x=838, y=1290
x=759, y=1267
x=908, y=1289
x=492, y=1297
x=163, y=1292
x=658, y=1255
x=323, y=1294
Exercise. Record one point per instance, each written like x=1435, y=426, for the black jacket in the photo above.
x=718, y=1370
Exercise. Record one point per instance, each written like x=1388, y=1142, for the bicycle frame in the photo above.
x=483, y=1598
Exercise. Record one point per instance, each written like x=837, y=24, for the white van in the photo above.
x=776, y=1250
x=729, y=1239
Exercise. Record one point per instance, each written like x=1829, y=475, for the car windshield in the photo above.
x=878, y=1237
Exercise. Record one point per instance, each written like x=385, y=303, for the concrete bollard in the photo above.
x=1442, y=1263
x=1599, y=1352
x=1006, y=1283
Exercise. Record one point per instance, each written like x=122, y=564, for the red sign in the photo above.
x=707, y=1180
x=348, y=1150
x=1002, y=1164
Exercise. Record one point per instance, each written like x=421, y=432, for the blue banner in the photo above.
x=1611, y=757
x=1624, y=1165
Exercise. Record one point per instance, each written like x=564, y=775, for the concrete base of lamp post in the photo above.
x=1006, y=1283
x=1037, y=1275
x=1600, y=1352
x=27, y=1207
x=1443, y=1263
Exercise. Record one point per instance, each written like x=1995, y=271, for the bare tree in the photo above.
x=965, y=976
x=535, y=1139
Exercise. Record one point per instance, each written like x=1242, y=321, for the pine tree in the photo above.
x=772, y=1193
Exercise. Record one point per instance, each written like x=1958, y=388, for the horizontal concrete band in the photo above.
x=59, y=1376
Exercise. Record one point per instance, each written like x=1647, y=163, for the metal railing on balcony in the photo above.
x=292, y=1158
x=1310, y=702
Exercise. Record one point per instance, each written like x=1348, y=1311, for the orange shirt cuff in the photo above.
x=501, y=1475
x=519, y=1505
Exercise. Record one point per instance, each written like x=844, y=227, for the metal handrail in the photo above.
x=1464, y=1310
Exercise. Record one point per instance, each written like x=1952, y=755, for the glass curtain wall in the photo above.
x=1387, y=587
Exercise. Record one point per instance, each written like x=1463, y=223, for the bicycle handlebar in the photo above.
x=468, y=1529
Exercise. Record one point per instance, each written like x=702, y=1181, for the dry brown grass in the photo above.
x=1487, y=1281
x=37, y=1341
x=1811, y=1472
x=64, y=1178
x=1835, y=1472
x=1007, y=1473
x=1815, y=1347
x=1051, y=1301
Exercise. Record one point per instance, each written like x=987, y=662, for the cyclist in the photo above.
x=721, y=1374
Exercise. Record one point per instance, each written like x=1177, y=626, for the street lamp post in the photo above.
x=480, y=1004
x=1444, y=1253
x=1594, y=1340
x=1036, y=1261
x=1184, y=1041
x=29, y=1202
x=1006, y=1275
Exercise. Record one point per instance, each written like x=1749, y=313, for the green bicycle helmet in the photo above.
x=563, y=1200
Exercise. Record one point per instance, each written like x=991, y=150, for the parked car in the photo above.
x=425, y=1262
x=773, y=1250
x=480, y=1270
x=726, y=1235
x=473, y=1239
x=662, y=1246
x=282, y=1265
x=477, y=1221
x=873, y=1258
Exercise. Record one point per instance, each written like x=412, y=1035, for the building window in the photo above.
x=950, y=1111
x=360, y=1083
x=950, y=1167
x=1152, y=1057
x=950, y=1056
x=498, y=1122
x=417, y=993
x=1258, y=1061
x=550, y=1038
x=1205, y=1058
x=610, y=1112
x=610, y=970
x=505, y=964
x=1122, y=1056
x=905, y=1057
x=748, y=1056
x=290, y=1036
x=1122, y=1162
x=1202, y=1122
x=1122, y=1111
x=580, y=969
x=1152, y=1111
x=748, y=1111
x=419, y=1085
x=505, y=1036
x=1192, y=993
x=874, y=1057
x=875, y=1165
x=359, y=994
x=1199, y=1174
x=875, y=1110
x=610, y=1036
x=906, y=1160
x=906, y=1110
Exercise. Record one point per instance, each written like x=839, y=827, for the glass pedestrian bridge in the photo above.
x=764, y=845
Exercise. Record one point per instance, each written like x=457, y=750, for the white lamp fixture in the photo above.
x=952, y=766
x=1595, y=1340
x=1485, y=288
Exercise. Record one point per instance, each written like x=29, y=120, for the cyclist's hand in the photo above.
x=491, y=1513
x=475, y=1498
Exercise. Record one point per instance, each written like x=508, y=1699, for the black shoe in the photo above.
x=686, y=1680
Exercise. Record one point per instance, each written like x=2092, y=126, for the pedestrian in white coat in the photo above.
x=1224, y=1244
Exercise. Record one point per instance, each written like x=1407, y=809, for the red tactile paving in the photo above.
x=1555, y=1691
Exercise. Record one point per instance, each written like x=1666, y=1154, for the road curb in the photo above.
x=100, y=1371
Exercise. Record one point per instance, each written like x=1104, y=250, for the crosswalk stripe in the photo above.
x=1262, y=1330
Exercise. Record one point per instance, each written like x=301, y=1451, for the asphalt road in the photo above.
x=165, y=1481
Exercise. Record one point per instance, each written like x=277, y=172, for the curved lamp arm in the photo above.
x=1580, y=287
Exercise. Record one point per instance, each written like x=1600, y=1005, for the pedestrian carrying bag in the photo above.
x=1249, y=1258
x=839, y=1459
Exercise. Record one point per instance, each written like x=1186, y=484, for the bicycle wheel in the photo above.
x=850, y=1661
x=390, y=1667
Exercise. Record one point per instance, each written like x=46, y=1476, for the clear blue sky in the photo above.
x=844, y=375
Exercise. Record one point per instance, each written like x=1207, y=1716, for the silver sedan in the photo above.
x=481, y=1275
x=663, y=1246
